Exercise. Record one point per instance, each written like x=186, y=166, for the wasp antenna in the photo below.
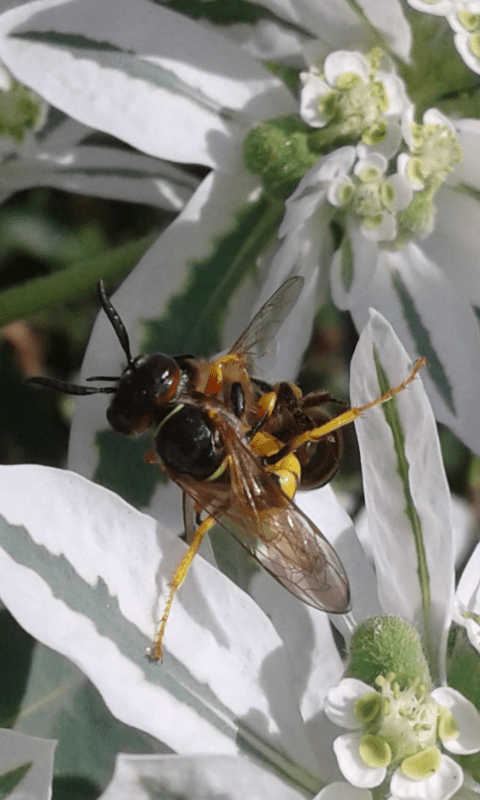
x=102, y=378
x=69, y=388
x=116, y=322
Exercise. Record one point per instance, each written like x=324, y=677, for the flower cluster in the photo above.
x=399, y=724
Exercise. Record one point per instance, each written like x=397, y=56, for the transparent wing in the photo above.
x=257, y=340
x=249, y=503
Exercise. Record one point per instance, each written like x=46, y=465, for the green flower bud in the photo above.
x=388, y=644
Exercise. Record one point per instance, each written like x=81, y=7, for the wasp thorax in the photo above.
x=148, y=384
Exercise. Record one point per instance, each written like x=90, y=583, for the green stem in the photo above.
x=70, y=284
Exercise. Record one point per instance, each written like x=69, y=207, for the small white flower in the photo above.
x=355, y=96
x=464, y=19
x=398, y=732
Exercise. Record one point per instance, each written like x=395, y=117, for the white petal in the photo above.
x=403, y=192
x=340, y=701
x=352, y=766
x=439, y=8
x=375, y=160
x=336, y=191
x=462, y=43
x=383, y=232
x=440, y=786
x=345, y=61
x=390, y=144
x=191, y=777
x=396, y=91
x=312, y=92
x=467, y=718
x=329, y=168
x=435, y=117
x=402, y=549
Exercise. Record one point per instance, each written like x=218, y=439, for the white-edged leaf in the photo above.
x=433, y=320
x=59, y=702
x=406, y=491
x=353, y=266
x=467, y=599
x=453, y=243
x=26, y=766
x=87, y=574
x=216, y=777
x=149, y=76
x=338, y=25
x=165, y=271
x=101, y=172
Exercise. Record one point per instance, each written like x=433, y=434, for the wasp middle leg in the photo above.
x=177, y=580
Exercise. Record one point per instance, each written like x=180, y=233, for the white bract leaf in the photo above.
x=337, y=24
x=101, y=172
x=213, y=777
x=413, y=294
x=467, y=606
x=406, y=491
x=86, y=574
x=344, y=791
x=122, y=69
x=28, y=763
x=162, y=273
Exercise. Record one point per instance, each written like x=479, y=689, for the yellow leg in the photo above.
x=176, y=582
x=353, y=413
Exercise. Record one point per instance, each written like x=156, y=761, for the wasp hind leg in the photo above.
x=176, y=582
x=351, y=415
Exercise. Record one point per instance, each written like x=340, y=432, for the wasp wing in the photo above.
x=248, y=502
x=256, y=341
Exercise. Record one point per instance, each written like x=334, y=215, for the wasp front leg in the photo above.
x=176, y=582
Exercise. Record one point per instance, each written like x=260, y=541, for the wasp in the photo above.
x=239, y=448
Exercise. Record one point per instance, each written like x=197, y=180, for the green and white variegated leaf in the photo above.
x=184, y=280
x=216, y=777
x=339, y=25
x=26, y=766
x=87, y=575
x=467, y=599
x=434, y=320
x=153, y=78
x=406, y=491
x=59, y=702
x=108, y=172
